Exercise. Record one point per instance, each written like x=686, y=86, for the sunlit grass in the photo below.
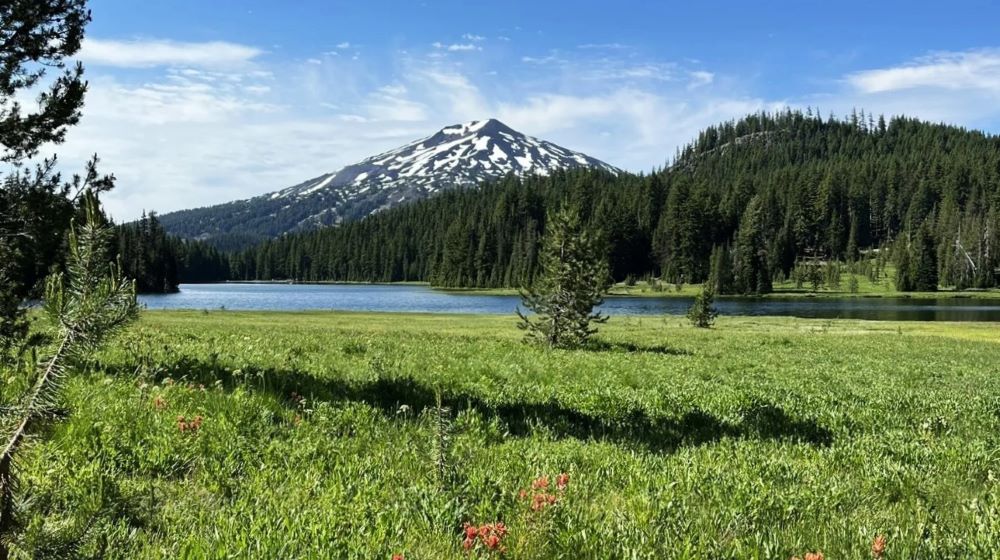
x=760, y=438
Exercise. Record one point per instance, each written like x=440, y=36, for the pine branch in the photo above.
x=92, y=305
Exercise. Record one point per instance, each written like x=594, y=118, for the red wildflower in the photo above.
x=501, y=529
x=562, y=481
x=159, y=403
x=523, y=494
x=814, y=556
x=878, y=547
x=540, y=483
x=490, y=535
x=537, y=502
x=398, y=557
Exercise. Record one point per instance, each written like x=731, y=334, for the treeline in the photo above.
x=762, y=194
x=158, y=262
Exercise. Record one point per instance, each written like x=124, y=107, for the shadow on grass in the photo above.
x=627, y=426
x=632, y=348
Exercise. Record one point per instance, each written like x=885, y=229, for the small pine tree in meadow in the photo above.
x=87, y=304
x=574, y=278
x=702, y=313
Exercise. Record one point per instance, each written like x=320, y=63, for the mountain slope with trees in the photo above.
x=458, y=155
x=766, y=194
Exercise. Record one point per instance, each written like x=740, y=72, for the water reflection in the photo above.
x=361, y=297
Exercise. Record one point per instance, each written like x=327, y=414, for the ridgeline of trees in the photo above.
x=748, y=202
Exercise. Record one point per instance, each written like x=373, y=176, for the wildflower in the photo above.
x=540, y=483
x=523, y=494
x=562, y=481
x=489, y=535
x=878, y=547
x=398, y=557
x=159, y=403
x=500, y=529
x=814, y=556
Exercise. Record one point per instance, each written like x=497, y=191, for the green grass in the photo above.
x=761, y=438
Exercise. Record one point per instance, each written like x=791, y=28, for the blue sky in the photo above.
x=194, y=103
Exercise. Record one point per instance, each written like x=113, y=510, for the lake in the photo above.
x=422, y=299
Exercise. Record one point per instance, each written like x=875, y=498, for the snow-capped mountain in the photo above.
x=459, y=155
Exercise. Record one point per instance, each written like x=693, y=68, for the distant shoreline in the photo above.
x=641, y=291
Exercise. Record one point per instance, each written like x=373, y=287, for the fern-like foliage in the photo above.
x=87, y=304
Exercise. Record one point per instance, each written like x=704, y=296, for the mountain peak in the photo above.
x=458, y=155
x=485, y=127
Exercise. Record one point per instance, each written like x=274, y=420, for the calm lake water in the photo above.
x=360, y=297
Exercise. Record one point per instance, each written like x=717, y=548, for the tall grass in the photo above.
x=321, y=435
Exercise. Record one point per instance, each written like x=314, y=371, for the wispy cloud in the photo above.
x=603, y=46
x=187, y=133
x=473, y=37
x=151, y=53
x=978, y=69
x=700, y=78
x=456, y=47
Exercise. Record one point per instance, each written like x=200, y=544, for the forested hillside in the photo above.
x=763, y=193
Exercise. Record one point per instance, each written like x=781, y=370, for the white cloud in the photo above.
x=961, y=88
x=344, y=45
x=195, y=134
x=603, y=46
x=456, y=47
x=151, y=53
x=700, y=78
x=978, y=69
x=473, y=37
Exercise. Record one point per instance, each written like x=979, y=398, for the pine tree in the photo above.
x=38, y=38
x=753, y=273
x=574, y=278
x=87, y=304
x=904, y=274
x=702, y=312
x=720, y=277
x=924, y=261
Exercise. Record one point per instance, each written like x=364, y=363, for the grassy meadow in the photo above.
x=319, y=435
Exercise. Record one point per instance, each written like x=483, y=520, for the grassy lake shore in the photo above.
x=318, y=436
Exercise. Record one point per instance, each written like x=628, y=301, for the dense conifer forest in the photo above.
x=158, y=262
x=747, y=202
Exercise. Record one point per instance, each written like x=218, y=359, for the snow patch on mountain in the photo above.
x=457, y=155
